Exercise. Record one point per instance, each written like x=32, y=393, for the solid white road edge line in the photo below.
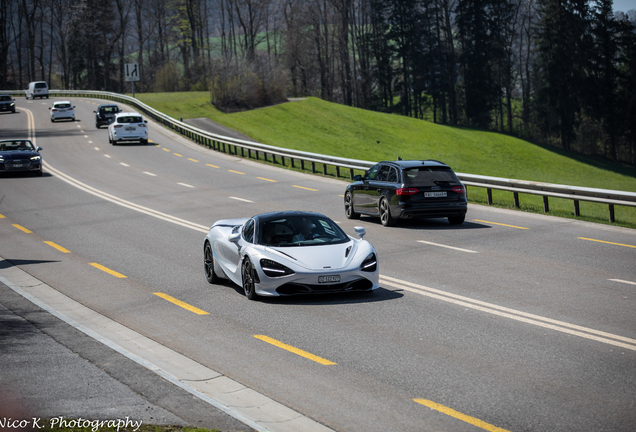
x=561, y=326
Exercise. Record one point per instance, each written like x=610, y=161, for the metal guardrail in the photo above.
x=256, y=150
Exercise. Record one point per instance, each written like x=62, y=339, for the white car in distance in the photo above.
x=128, y=126
x=62, y=110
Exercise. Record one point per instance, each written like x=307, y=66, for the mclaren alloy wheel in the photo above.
x=208, y=263
x=247, y=274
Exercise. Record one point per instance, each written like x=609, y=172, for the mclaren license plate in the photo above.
x=329, y=279
x=434, y=194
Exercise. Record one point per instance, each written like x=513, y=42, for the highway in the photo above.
x=509, y=322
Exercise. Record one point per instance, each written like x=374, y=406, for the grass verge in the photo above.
x=327, y=128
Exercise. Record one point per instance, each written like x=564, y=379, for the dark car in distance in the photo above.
x=105, y=114
x=20, y=155
x=406, y=189
x=7, y=103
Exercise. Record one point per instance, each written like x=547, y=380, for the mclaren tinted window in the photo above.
x=248, y=231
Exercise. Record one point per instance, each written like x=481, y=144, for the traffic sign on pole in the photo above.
x=132, y=72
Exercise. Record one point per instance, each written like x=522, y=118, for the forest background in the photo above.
x=560, y=73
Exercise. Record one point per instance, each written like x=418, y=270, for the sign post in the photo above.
x=132, y=74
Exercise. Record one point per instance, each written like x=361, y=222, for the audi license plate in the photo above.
x=329, y=279
x=434, y=194
x=17, y=166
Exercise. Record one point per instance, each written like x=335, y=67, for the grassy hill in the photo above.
x=327, y=128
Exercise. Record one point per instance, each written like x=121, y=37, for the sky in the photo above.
x=624, y=5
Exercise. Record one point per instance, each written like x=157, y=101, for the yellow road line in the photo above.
x=266, y=179
x=193, y=160
x=468, y=419
x=2, y=216
x=21, y=228
x=294, y=350
x=165, y=149
x=177, y=154
x=58, y=247
x=213, y=166
x=109, y=271
x=495, y=223
x=236, y=172
x=301, y=187
x=602, y=241
x=182, y=304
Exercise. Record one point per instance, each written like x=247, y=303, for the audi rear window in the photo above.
x=429, y=176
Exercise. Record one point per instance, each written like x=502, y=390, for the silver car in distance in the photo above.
x=287, y=253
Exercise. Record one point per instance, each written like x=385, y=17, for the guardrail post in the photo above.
x=302, y=164
x=516, y=197
x=351, y=173
x=489, y=195
x=257, y=158
x=546, y=206
x=611, y=212
x=292, y=163
x=337, y=171
x=324, y=169
x=313, y=168
x=576, y=208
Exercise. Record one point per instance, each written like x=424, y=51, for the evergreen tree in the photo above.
x=476, y=60
x=563, y=44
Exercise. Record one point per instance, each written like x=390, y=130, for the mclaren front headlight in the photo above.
x=35, y=158
x=274, y=269
x=370, y=263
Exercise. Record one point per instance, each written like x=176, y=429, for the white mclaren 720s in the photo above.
x=287, y=253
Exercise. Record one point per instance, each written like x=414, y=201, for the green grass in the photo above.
x=332, y=129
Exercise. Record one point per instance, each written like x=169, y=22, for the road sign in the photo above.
x=132, y=71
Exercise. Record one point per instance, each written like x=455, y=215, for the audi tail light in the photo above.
x=407, y=191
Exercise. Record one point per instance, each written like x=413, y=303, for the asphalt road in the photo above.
x=513, y=321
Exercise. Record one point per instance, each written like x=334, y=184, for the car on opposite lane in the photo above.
x=7, y=103
x=406, y=189
x=128, y=126
x=289, y=252
x=20, y=155
x=62, y=110
x=105, y=114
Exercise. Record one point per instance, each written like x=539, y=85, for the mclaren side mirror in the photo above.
x=234, y=238
x=357, y=177
x=38, y=149
x=360, y=231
